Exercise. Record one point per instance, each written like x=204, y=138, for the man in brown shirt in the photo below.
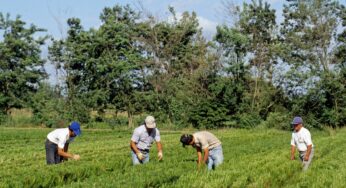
x=209, y=144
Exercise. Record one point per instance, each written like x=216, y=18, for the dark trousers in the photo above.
x=52, y=156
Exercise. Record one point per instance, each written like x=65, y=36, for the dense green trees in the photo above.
x=21, y=67
x=253, y=71
x=314, y=81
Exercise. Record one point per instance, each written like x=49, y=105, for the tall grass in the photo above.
x=253, y=158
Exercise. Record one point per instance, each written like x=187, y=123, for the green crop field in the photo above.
x=253, y=158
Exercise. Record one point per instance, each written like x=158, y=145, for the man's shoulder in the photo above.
x=305, y=130
x=140, y=128
x=61, y=130
x=199, y=132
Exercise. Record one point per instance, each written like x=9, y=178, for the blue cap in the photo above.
x=297, y=120
x=75, y=127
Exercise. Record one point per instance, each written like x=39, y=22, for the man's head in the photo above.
x=297, y=123
x=186, y=139
x=74, y=129
x=150, y=122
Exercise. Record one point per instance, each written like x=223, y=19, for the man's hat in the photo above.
x=296, y=121
x=75, y=127
x=150, y=122
x=185, y=139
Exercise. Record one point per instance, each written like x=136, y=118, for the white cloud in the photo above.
x=208, y=27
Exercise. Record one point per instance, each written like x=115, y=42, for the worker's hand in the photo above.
x=292, y=157
x=76, y=157
x=160, y=155
x=140, y=156
x=201, y=165
x=306, y=158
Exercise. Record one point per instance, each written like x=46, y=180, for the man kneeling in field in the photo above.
x=209, y=144
x=58, y=141
x=301, y=138
x=141, y=140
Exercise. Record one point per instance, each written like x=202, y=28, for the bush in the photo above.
x=248, y=120
x=208, y=115
x=278, y=120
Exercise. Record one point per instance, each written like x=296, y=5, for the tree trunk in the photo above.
x=130, y=119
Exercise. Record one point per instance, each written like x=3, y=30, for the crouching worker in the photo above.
x=142, y=139
x=58, y=141
x=207, y=143
x=301, y=139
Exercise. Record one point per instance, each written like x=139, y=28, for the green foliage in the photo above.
x=247, y=120
x=102, y=65
x=139, y=65
x=21, y=66
x=308, y=32
x=208, y=115
x=278, y=120
x=47, y=106
x=341, y=38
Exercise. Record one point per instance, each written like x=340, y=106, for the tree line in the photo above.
x=253, y=72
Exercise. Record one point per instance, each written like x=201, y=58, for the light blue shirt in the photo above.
x=142, y=139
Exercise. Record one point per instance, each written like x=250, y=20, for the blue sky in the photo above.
x=52, y=14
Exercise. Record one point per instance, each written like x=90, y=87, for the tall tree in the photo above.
x=70, y=56
x=121, y=56
x=21, y=65
x=257, y=22
x=308, y=32
x=341, y=38
x=177, y=58
x=102, y=65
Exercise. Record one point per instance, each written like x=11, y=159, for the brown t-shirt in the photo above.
x=205, y=139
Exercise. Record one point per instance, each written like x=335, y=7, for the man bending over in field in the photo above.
x=209, y=144
x=301, y=138
x=141, y=140
x=57, y=143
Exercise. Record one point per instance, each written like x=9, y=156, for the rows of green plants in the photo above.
x=253, y=158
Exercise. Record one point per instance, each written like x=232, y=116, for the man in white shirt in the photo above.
x=301, y=139
x=209, y=144
x=142, y=139
x=58, y=141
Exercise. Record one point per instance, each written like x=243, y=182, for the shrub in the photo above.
x=248, y=120
x=278, y=120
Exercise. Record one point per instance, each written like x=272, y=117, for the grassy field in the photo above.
x=253, y=158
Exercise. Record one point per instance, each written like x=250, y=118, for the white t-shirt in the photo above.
x=301, y=139
x=60, y=137
x=142, y=139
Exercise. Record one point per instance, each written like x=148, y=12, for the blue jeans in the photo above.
x=135, y=159
x=215, y=157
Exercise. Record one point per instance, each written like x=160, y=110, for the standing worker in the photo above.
x=209, y=144
x=141, y=140
x=301, y=138
x=58, y=141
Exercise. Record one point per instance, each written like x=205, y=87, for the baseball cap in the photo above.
x=297, y=120
x=150, y=122
x=75, y=127
x=185, y=139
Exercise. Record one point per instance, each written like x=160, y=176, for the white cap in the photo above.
x=150, y=122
